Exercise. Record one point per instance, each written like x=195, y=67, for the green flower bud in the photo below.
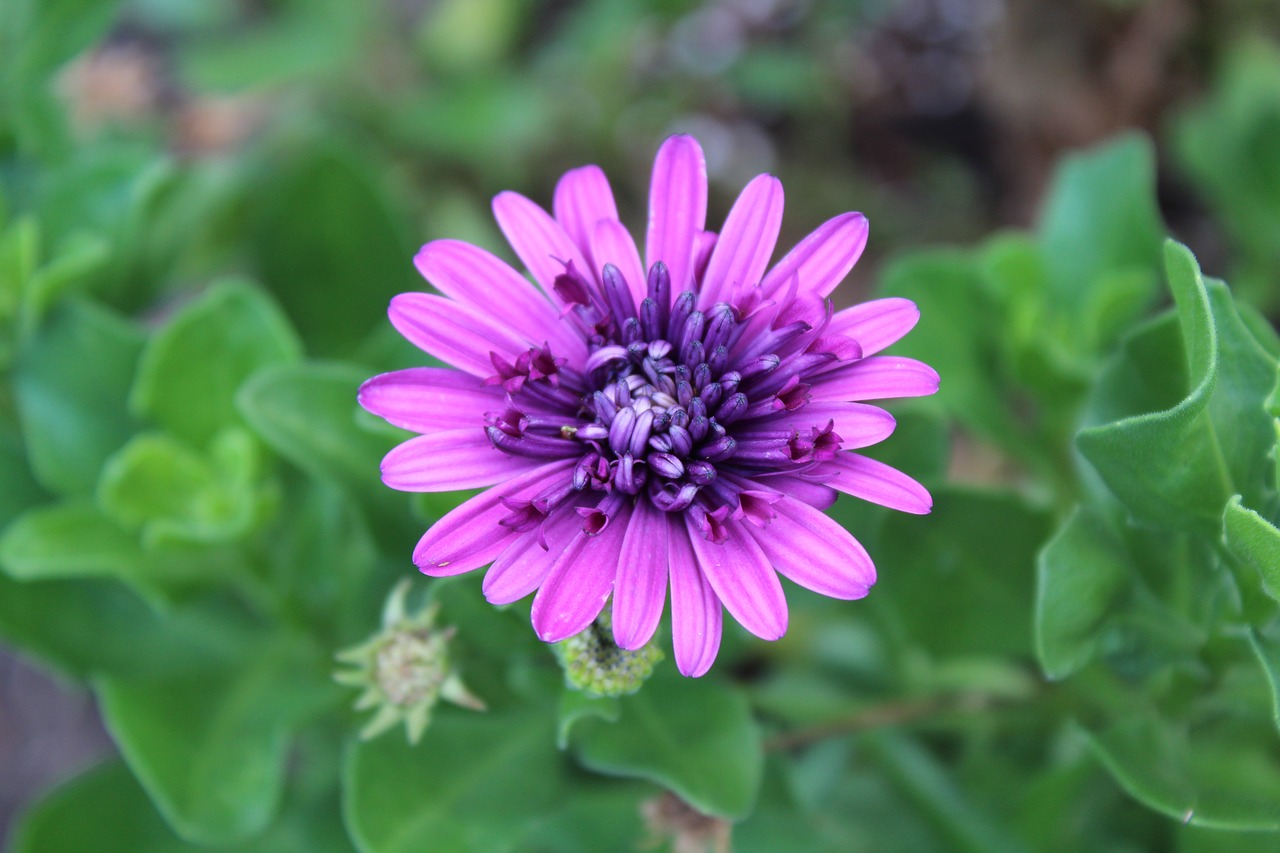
x=594, y=664
x=404, y=669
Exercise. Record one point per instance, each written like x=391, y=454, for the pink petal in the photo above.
x=450, y=460
x=877, y=482
x=428, y=399
x=677, y=208
x=454, y=332
x=540, y=242
x=582, y=199
x=579, y=583
x=486, y=283
x=612, y=244
x=876, y=324
x=695, y=611
x=746, y=242
x=821, y=260
x=640, y=589
x=810, y=548
x=471, y=535
x=743, y=580
x=876, y=378
x=522, y=567
x=857, y=424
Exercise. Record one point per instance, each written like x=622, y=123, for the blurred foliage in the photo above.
x=204, y=208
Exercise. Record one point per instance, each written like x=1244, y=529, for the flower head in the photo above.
x=679, y=424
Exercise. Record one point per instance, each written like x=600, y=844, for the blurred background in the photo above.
x=314, y=144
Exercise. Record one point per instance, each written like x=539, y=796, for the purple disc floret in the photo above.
x=677, y=425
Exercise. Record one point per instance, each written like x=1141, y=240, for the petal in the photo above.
x=857, y=424
x=743, y=580
x=876, y=378
x=695, y=611
x=816, y=495
x=579, y=583
x=810, y=548
x=582, y=199
x=640, y=589
x=540, y=242
x=742, y=251
x=522, y=567
x=486, y=283
x=612, y=244
x=451, y=460
x=877, y=482
x=876, y=324
x=821, y=261
x=454, y=332
x=429, y=399
x=471, y=535
x=677, y=208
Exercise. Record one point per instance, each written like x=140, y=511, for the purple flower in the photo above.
x=680, y=423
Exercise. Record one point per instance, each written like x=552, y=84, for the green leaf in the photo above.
x=695, y=737
x=1266, y=647
x=1083, y=577
x=475, y=782
x=209, y=743
x=327, y=222
x=576, y=705
x=194, y=366
x=68, y=540
x=1223, y=782
x=175, y=495
x=989, y=580
x=70, y=381
x=86, y=627
x=1100, y=217
x=1255, y=543
x=1179, y=466
x=924, y=781
x=105, y=810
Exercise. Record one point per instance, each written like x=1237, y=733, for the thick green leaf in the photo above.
x=1180, y=465
x=193, y=367
x=1101, y=216
x=307, y=414
x=330, y=246
x=18, y=488
x=576, y=705
x=695, y=737
x=71, y=539
x=71, y=381
x=989, y=579
x=84, y=627
x=475, y=782
x=1225, y=782
x=1083, y=578
x=105, y=810
x=209, y=743
x=1266, y=647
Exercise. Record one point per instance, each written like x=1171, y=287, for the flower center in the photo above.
x=652, y=406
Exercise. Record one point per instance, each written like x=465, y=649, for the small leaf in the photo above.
x=177, y=496
x=576, y=705
x=695, y=737
x=1083, y=576
x=194, y=366
x=70, y=381
x=475, y=782
x=1254, y=542
x=68, y=540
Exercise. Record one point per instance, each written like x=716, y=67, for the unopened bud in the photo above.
x=404, y=669
x=596, y=665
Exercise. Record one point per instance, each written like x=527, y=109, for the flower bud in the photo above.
x=597, y=666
